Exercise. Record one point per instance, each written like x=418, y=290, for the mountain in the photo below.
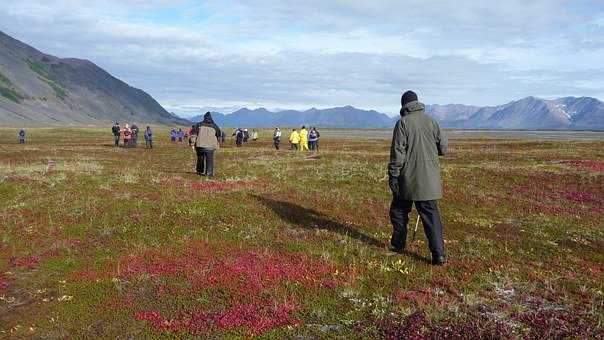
x=337, y=117
x=568, y=113
x=40, y=88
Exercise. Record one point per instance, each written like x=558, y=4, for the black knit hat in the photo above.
x=207, y=115
x=408, y=97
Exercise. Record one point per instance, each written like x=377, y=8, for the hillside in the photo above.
x=43, y=89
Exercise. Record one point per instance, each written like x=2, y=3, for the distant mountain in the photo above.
x=337, y=117
x=568, y=113
x=40, y=88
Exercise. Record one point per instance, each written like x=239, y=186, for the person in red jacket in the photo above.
x=127, y=136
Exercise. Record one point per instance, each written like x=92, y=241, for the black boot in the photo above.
x=438, y=260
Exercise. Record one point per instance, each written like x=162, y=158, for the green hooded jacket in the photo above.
x=417, y=142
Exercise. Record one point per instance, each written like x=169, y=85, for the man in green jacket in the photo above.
x=414, y=175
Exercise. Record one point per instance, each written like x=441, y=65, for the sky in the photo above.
x=191, y=55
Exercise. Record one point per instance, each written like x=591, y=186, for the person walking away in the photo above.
x=277, y=138
x=294, y=140
x=135, y=131
x=318, y=137
x=414, y=175
x=312, y=139
x=181, y=135
x=148, y=138
x=21, y=136
x=254, y=135
x=192, y=135
x=127, y=136
x=303, y=139
x=222, y=137
x=206, y=144
x=238, y=137
x=246, y=135
x=173, y=135
x=116, y=133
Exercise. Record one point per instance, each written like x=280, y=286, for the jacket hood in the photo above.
x=412, y=107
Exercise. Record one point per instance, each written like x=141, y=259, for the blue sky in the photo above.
x=191, y=55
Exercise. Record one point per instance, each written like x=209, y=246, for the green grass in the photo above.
x=11, y=94
x=47, y=76
x=97, y=241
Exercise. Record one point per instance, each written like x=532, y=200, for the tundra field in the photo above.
x=98, y=241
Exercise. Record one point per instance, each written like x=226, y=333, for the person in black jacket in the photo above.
x=116, y=133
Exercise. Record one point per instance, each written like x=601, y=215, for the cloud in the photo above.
x=326, y=53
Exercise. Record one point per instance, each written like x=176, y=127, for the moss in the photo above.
x=40, y=69
x=11, y=94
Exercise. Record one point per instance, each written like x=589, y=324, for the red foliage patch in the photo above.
x=586, y=164
x=3, y=284
x=244, y=280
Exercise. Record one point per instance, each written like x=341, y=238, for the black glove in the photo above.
x=393, y=183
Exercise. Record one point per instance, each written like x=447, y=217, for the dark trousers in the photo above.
x=21, y=141
x=149, y=144
x=205, y=161
x=428, y=212
x=276, y=142
x=312, y=145
x=294, y=146
x=117, y=140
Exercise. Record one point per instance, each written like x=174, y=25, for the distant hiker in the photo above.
x=116, y=133
x=294, y=140
x=193, y=131
x=148, y=138
x=254, y=135
x=414, y=175
x=246, y=135
x=277, y=138
x=181, y=135
x=21, y=136
x=135, y=131
x=312, y=139
x=206, y=144
x=173, y=135
x=318, y=138
x=127, y=136
x=303, y=139
x=238, y=137
x=222, y=137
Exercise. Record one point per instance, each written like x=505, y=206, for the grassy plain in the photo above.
x=97, y=241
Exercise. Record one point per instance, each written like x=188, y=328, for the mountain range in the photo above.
x=39, y=88
x=42, y=89
x=568, y=113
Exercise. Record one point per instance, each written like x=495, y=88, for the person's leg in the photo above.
x=399, y=217
x=151, y=144
x=428, y=211
x=210, y=162
x=200, y=158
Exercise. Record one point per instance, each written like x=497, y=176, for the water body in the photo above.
x=476, y=134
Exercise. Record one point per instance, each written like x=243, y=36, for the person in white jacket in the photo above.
x=277, y=138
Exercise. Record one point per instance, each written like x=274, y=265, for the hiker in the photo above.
x=254, y=135
x=192, y=135
x=414, y=175
x=318, y=137
x=148, y=138
x=238, y=137
x=116, y=133
x=173, y=135
x=312, y=139
x=206, y=144
x=21, y=136
x=294, y=140
x=181, y=135
x=127, y=136
x=277, y=138
x=246, y=135
x=303, y=139
x=135, y=131
x=222, y=137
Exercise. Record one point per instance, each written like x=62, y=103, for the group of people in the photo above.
x=243, y=136
x=177, y=134
x=304, y=140
x=129, y=135
x=413, y=171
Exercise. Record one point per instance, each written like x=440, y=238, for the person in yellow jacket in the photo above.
x=303, y=139
x=294, y=139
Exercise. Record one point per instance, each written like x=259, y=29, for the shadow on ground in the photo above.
x=313, y=220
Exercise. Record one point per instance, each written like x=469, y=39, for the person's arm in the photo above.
x=442, y=144
x=398, y=150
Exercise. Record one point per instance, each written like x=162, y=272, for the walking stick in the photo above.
x=415, y=230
